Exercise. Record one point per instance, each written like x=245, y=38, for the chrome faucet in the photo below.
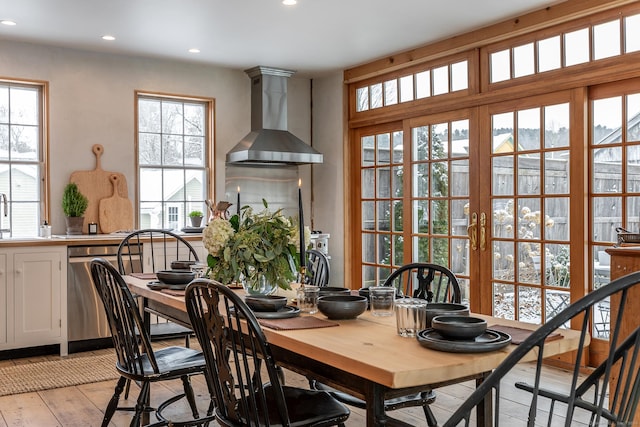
x=5, y=210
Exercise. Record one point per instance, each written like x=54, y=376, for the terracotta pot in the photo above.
x=74, y=224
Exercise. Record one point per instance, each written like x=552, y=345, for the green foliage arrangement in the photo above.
x=253, y=245
x=74, y=203
x=195, y=214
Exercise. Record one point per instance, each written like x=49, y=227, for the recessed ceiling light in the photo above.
x=7, y=22
x=289, y=2
x=108, y=37
x=194, y=50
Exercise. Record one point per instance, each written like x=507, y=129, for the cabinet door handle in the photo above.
x=472, y=231
x=483, y=232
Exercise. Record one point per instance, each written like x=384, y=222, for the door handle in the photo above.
x=472, y=231
x=483, y=232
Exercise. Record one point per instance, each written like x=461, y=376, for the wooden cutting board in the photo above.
x=115, y=212
x=95, y=185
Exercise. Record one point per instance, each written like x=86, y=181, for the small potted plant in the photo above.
x=196, y=218
x=74, y=205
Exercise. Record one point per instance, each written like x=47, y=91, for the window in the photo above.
x=174, y=146
x=21, y=157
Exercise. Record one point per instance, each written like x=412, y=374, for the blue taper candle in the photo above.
x=301, y=219
x=238, y=203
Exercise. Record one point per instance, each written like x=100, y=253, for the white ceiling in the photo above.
x=312, y=37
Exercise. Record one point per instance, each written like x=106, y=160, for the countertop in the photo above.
x=78, y=239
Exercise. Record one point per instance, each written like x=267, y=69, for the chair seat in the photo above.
x=422, y=398
x=173, y=361
x=306, y=408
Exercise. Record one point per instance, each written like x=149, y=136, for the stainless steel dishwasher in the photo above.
x=87, y=323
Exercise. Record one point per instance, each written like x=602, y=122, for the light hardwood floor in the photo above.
x=83, y=405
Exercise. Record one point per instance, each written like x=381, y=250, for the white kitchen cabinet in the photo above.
x=33, y=283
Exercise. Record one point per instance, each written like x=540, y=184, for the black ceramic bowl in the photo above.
x=338, y=307
x=438, y=308
x=265, y=302
x=175, y=277
x=459, y=327
x=333, y=290
x=182, y=265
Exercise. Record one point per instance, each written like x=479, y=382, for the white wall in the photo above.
x=91, y=101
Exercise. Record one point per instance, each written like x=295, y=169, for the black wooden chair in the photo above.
x=241, y=369
x=317, y=268
x=434, y=283
x=607, y=396
x=137, y=361
x=162, y=248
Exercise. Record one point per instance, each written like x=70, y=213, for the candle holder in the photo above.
x=302, y=276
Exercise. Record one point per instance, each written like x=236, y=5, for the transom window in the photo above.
x=22, y=162
x=174, y=142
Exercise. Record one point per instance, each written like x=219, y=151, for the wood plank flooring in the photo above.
x=83, y=405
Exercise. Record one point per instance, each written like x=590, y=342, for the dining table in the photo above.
x=366, y=357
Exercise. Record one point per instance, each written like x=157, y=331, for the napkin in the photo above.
x=305, y=322
x=520, y=334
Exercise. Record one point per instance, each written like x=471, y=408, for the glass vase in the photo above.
x=259, y=285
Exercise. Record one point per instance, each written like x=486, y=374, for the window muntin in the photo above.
x=173, y=147
x=21, y=157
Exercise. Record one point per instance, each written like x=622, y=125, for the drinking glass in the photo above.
x=411, y=316
x=308, y=298
x=381, y=299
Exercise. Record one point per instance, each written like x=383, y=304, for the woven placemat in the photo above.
x=66, y=372
x=520, y=334
x=306, y=322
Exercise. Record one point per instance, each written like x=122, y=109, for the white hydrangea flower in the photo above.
x=216, y=235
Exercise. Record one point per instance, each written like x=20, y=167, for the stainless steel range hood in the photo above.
x=269, y=141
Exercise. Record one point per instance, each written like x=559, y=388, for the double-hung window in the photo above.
x=174, y=146
x=22, y=158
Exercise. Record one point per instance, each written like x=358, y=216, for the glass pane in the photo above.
x=529, y=220
x=503, y=260
x=24, y=106
x=459, y=76
x=523, y=60
x=194, y=150
x=529, y=129
x=173, y=185
x=440, y=216
x=607, y=120
x=172, y=119
x=384, y=249
x=423, y=84
x=149, y=149
x=503, y=301
x=22, y=219
x=151, y=215
x=376, y=95
x=397, y=147
x=633, y=117
x=368, y=215
x=439, y=179
x=556, y=219
x=556, y=172
x=557, y=262
x=148, y=115
x=362, y=98
x=633, y=169
x=420, y=216
x=529, y=263
x=421, y=249
x=398, y=250
x=607, y=170
x=576, y=47
x=172, y=150
x=556, y=126
x=440, y=80
x=460, y=178
x=440, y=249
x=4, y=141
x=25, y=141
x=420, y=143
x=529, y=306
x=368, y=153
x=502, y=132
x=23, y=188
x=555, y=302
x=398, y=215
x=420, y=180
x=368, y=183
x=633, y=216
x=460, y=138
x=368, y=247
x=439, y=141
x=459, y=217
x=601, y=266
x=4, y=104
x=503, y=220
x=549, y=54
x=368, y=276
x=500, y=66
x=606, y=39
x=529, y=173
x=607, y=215
x=383, y=143
x=383, y=182
x=460, y=256
x=391, y=92
x=384, y=215
x=194, y=117
x=502, y=175
x=406, y=88
x=632, y=33
x=194, y=188
x=397, y=181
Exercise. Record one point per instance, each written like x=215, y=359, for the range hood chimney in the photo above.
x=269, y=141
